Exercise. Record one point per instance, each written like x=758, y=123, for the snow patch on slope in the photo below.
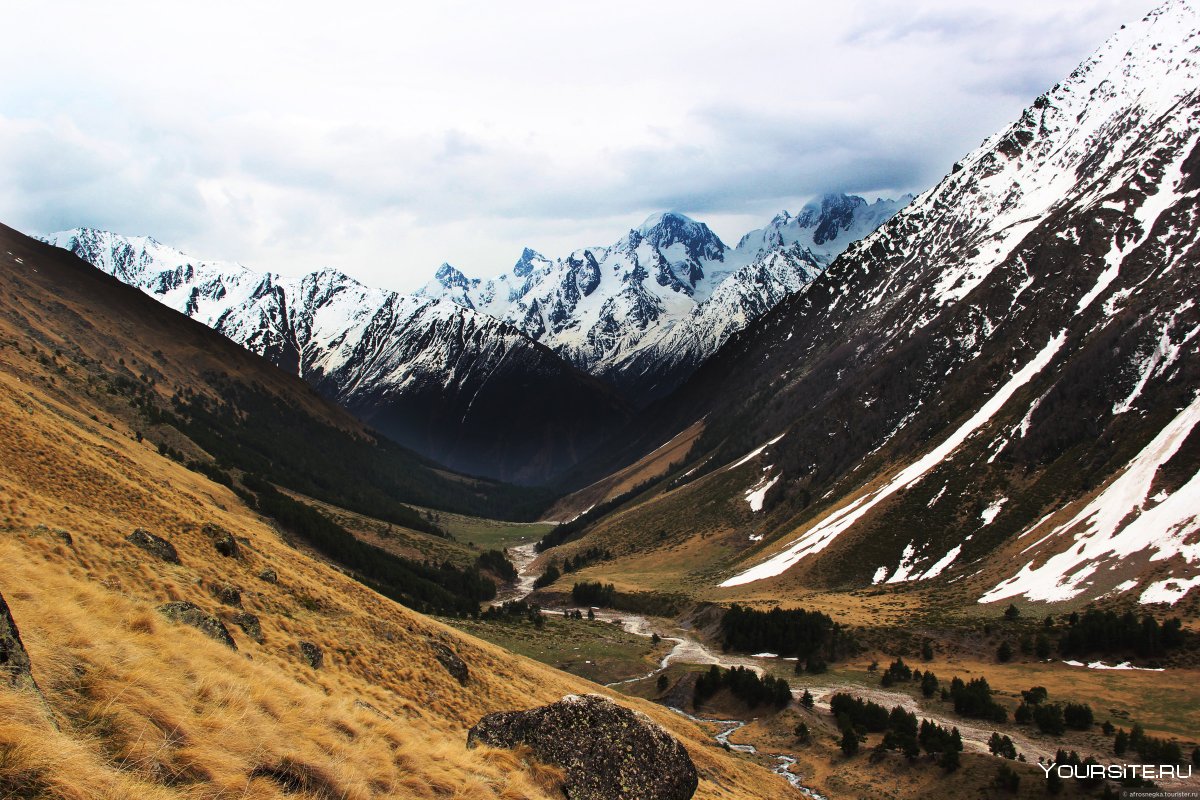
x=839, y=521
x=756, y=495
x=1121, y=521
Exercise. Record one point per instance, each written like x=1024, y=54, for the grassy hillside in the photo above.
x=141, y=706
x=200, y=396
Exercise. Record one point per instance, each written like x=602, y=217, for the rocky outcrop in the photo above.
x=454, y=665
x=14, y=661
x=249, y=624
x=228, y=594
x=312, y=655
x=156, y=546
x=608, y=752
x=15, y=669
x=222, y=540
x=191, y=614
x=268, y=575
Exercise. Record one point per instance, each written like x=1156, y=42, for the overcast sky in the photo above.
x=386, y=138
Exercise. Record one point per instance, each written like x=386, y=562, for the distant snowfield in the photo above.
x=1123, y=665
x=1121, y=521
x=839, y=521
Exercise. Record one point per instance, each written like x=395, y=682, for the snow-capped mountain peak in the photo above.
x=631, y=312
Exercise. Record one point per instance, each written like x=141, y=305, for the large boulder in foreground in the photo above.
x=607, y=751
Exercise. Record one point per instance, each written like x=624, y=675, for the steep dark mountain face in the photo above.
x=465, y=389
x=188, y=387
x=474, y=393
x=1002, y=378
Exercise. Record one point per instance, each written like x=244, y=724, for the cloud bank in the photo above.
x=384, y=139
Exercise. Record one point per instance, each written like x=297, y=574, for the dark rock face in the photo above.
x=453, y=664
x=15, y=670
x=14, y=661
x=227, y=594
x=312, y=655
x=222, y=540
x=154, y=545
x=249, y=623
x=607, y=751
x=268, y=575
x=191, y=614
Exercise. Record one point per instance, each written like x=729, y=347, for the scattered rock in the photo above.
x=453, y=664
x=14, y=661
x=268, y=575
x=228, y=594
x=249, y=623
x=15, y=670
x=191, y=614
x=63, y=536
x=222, y=540
x=312, y=655
x=607, y=751
x=154, y=545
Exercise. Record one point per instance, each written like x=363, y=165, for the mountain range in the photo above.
x=647, y=310
x=961, y=427
x=494, y=387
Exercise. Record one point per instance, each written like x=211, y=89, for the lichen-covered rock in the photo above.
x=268, y=575
x=608, y=752
x=249, y=624
x=312, y=655
x=198, y=618
x=228, y=594
x=222, y=540
x=63, y=536
x=15, y=670
x=453, y=664
x=154, y=545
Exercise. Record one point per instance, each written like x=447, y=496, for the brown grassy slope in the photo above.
x=67, y=304
x=148, y=708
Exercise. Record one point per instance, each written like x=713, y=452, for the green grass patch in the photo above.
x=599, y=651
x=489, y=534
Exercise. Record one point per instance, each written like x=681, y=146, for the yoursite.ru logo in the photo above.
x=1118, y=771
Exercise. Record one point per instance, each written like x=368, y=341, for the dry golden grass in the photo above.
x=150, y=709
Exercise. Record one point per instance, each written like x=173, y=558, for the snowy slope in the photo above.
x=428, y=372
x=645, y=311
